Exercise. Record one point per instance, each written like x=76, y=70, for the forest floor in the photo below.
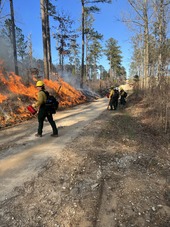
x=114, y=173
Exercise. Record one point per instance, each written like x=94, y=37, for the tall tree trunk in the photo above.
x=141, y=8
x=146, y=44
x=14, y=37
x=162, y=37
x=44, y=36
x=48, y=37
x=62, y=56
x=75, y=62
x=62, y=63
x=110, y=67
x=30, y=50
x=82, y=58
x=87, y=62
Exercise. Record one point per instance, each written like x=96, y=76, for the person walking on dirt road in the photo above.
x=123, y=95
x=42, y=112
x=115, y=98
x=111, y=98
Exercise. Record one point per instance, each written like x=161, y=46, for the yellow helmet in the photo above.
x=39, y=83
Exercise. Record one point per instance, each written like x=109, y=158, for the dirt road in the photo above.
x=23, y=155
x=106, y=169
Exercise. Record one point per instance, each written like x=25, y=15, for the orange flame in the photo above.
x=15, y=106
x=2, y=98
x=15, y=85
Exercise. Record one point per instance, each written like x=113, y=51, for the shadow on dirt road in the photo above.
x=105, y=170
x=22, y=155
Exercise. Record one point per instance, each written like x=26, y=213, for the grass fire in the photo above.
x=16, y=95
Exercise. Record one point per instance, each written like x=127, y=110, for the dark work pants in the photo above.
x=52, y=123
x=115, y=103
x=111, y=104
x=122, y=101
x=42, y=114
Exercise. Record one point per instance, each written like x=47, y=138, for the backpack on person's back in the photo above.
x=51, y=104
x=125, y=94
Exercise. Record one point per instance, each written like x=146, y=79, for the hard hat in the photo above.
x=39, y=83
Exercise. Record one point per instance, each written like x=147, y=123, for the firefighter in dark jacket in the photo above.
x=42, y=112
x=115, y=98
x=123, y=96
x=111, y=97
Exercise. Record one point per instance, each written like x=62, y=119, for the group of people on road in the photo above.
x=114, y=95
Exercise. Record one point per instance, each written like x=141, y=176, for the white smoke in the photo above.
x=6, y=54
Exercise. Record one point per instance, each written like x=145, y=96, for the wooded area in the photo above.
x=107, y=167
x=150, y=63
x=149, y=71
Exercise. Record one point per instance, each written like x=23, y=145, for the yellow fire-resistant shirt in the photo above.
x=111, y=93
x=41, y=99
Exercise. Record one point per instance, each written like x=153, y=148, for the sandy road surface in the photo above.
x=22, y=155
x=109, y=170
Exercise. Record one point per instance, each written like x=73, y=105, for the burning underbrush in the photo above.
x=15, y=96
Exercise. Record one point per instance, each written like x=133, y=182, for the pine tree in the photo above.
x=113, y=53
x=84, y=4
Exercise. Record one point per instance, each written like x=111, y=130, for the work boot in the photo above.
x=38, y=135
x=54, y=135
